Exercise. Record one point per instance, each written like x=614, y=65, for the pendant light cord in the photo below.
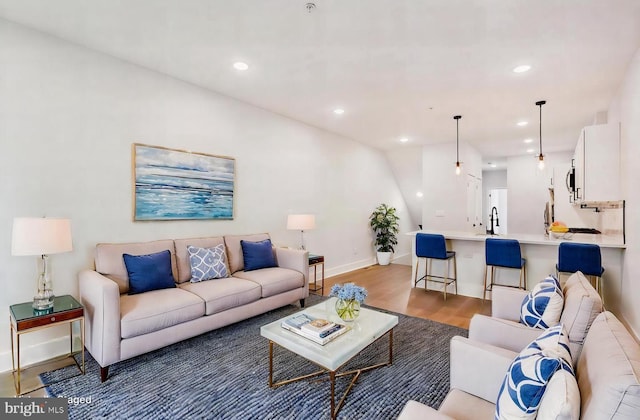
x=540, y=103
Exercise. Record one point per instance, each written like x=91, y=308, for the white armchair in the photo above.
x=581, y=306
x=607, y=372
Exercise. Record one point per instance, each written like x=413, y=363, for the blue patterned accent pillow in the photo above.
x=207, y=263
x=526, y=380
x=542, y=307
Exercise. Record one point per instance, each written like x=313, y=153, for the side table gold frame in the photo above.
x=42, y=321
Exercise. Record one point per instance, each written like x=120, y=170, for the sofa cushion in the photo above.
x=273, y=280
x=257, y=255
x=149, y=272
x=152, y=311
x=608, y=371
x=109, y=261
x=182, y=255
x=527, y=378
x=234, y=249
x=223, y=294
x=463, y=406
x=581, y=306
x=542, y=307
x=207, y=263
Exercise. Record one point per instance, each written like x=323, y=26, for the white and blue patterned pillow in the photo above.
x=542, y=307
x=526, y=380
x=207, y=263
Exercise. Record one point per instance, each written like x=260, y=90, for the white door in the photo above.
x=497, y=199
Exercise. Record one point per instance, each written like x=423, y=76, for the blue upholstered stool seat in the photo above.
x=430, y=247
x=586, y=258
x=503, y=253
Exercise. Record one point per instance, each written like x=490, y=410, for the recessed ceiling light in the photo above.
x=493, y=165
x=530, y=150
x=528, y=140
x=404, y=140
x=419, y=194
x=338, y=111
x=239, y=65
x=522, y=69
x=522, y=123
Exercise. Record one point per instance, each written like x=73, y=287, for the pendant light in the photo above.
x=541, y=156
x=458, y=166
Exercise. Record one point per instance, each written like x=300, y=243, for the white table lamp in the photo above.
x=41, y=236
x=301, y=222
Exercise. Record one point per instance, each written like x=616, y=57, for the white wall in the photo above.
x=68, y=117
x=406, y=164
x=529, y=190
x=625, y=109
x=445, y=193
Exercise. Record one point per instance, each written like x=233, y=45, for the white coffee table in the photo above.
x=366, y=329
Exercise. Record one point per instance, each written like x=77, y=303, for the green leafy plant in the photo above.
x=384, y=223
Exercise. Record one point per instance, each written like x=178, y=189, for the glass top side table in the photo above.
x=25, y=319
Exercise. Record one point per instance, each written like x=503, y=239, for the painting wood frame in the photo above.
x=172, y=184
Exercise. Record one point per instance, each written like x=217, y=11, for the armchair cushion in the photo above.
x=207, y=263
x=542, y=307
x=149, y=272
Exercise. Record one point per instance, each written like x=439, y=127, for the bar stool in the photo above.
x=503, y=253
x=433, y=247
x=586, y=258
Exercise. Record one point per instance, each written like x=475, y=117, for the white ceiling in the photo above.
x=397, y=67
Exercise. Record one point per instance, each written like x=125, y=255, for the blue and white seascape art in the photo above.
x=176, y=185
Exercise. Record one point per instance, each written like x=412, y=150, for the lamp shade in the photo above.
x=301, y=221
x=40, y=236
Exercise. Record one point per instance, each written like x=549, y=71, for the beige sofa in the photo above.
x=607, y=372
x=120, y=326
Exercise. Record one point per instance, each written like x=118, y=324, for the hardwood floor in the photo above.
x=390, y=287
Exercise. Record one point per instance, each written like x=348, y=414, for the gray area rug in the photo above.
x=224, y=375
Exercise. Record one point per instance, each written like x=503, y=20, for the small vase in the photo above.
x=348, y=309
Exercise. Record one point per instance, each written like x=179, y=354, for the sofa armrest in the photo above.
x=502, y=333
x=100, y=297
x=414, y=410
x=294, y=259
x=506, y=302
x=478, y=368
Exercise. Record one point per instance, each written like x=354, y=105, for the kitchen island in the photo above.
x=540, y=251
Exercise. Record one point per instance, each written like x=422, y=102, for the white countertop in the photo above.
x=605, y=241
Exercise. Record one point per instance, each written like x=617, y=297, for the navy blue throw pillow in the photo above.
x=149, y=272
x=257, y=255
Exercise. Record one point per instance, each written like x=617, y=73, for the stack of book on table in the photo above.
x=315, y=329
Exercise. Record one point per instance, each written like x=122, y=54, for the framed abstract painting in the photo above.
x=174, y=184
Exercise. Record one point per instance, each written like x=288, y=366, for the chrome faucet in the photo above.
x=491, y=231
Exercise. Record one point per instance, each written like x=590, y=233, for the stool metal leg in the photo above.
x=455, y=274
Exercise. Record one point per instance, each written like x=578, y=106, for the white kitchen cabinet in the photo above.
x=597, y=164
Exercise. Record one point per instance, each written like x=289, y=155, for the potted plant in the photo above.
x=384, y=223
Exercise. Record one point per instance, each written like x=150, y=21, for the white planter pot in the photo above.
x=384, y=258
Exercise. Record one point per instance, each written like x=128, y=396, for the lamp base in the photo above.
x=42, y=303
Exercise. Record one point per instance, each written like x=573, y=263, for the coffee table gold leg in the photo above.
x=270, y=364
x=391, y=346
x=332, y=379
